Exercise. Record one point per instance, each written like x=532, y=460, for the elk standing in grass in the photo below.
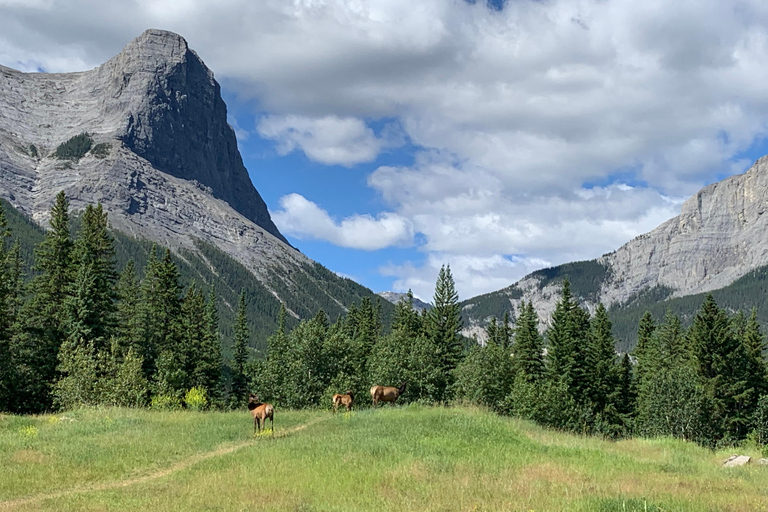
x=345, y=400
x=260, y=413
x=386, y=393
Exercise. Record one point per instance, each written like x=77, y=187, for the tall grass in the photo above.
x=394, y=458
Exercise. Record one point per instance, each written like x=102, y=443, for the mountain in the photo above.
x=146, y=134
x=719, y=237
x=395, y=297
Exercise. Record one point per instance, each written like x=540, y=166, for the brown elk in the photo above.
x=345, y=400
x=386, y=393
x=260, y=412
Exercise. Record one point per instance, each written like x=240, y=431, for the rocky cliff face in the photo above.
x=719, y=236
x=171, y=172
x=156, y=98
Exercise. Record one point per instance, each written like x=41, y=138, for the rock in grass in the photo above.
x=762, y=462
x=737, y=460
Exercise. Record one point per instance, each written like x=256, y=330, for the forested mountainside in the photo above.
x=209, y=267
x=718, y=238
x=146, y=135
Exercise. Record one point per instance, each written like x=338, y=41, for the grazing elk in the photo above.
x=386, y=393
x=260, y=413
x=346, y=400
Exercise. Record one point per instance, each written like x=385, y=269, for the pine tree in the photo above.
x=36, y=349
x=721, y=363
x=754, y=346
x=528, y=358
x=601, y=359
x=95, y=248
x=645, y=350
x=444, y=325
x=567, y=338
x=195, y=332
x=627, y=395
x=208, y=370
x=8, y=288
x=405, y=318
x=128, y=320
x=240, y=356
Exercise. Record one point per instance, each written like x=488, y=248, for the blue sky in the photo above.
x=389, y=138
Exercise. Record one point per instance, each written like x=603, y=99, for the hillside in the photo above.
x=395, y=458
x=208, y=266
x=718, y=238
x=146, y=135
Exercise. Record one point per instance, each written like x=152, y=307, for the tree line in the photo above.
x=80, y=333
x=706, y=383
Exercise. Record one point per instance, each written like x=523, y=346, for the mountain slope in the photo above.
x=160, y=157
x=718, y=237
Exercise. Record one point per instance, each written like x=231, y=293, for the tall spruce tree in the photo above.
x=721, y=362
x=240, y=356
x=444, y=326
x=753, y=341
x=95, y=249
x=405, y=318
x=195, y=333
x=165, y=307
x=8, y=290
x=528, y=349
x=645, y=350
x=128, y=325
x=601, y=359
x=209, y=364
x=567, y=343
x=36, y=349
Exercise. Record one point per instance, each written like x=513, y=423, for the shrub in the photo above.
x=75, y=148
x=101, y=150
x=760, y=432
x=33, y=151
x=196, y=399
x=166, y=402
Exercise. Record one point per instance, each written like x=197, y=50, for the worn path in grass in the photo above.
x=174, y=468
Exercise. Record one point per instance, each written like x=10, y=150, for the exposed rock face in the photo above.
x=395, y=297
x=173, y=172
x=156, y=97
x=719, y=236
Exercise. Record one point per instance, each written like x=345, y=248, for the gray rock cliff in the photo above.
x=719, y=236
x=172, y=172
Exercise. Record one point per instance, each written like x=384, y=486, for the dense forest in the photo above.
x=706, y=383
x=78, y=332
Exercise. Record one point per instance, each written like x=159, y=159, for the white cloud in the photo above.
x=516, y=112
x=304, y=219
x=330, y=140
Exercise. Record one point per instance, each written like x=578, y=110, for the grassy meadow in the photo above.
x=394, y=458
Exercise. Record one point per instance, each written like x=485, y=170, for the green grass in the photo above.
x=393, y=458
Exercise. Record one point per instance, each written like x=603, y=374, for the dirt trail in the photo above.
x=174, y=468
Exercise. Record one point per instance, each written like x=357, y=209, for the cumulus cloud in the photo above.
x=302, y=218
x=330, y=140
x=517, y=114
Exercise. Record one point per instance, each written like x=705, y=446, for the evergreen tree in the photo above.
x=528, y=358
x=36, y=349
x=754, y=346
x=645, y=350
x=8, y=289
x=195, y=332
x=567, y=338
x=240, y=356
x=601, y=360
x=405, y=318
x=129, y=324
x=721, y=363
x=444, y=326
x=95, y=249
x=208, y=369
x=627, y=395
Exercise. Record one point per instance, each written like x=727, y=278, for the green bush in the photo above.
x=101, y=150
x=196, y=399
x=75, y=148
x=166, y=402
x=760, y=422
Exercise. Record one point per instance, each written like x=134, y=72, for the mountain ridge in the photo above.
x=718, y=237
x=167, y=170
